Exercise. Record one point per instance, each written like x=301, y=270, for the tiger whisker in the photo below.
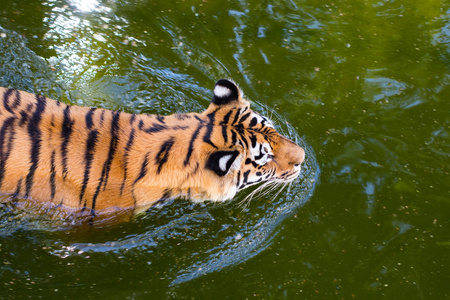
x=262, y=191
x=249, y=197
x=272, y=188
x=281, y=189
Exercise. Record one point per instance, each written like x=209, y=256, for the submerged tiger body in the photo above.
x=93, y=160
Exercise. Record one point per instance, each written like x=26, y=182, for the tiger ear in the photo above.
x=220, y=162
x=225, y=92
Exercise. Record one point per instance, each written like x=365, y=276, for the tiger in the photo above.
x=90, y=160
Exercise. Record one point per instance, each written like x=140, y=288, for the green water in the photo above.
x=364, y=85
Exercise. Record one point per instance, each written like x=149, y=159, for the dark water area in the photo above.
x=364, y=86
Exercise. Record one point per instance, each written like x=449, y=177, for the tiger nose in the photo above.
x=298, y=158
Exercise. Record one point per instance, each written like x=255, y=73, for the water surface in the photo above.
x=363, y=85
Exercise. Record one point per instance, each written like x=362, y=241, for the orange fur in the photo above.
x=98, y=159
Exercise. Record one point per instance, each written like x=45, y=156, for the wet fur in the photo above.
x=95, y=159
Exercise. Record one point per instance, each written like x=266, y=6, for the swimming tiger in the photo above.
x=92, y=159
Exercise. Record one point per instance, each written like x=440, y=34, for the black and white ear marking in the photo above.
x=225, y=92
x=221, y=161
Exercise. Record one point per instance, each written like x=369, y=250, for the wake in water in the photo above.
x=205, y=237
x=181, y=240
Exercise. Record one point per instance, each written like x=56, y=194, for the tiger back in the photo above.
x=92, y=160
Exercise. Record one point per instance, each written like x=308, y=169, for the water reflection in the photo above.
x=73, y=42
x=85, y=5
x=381, y=88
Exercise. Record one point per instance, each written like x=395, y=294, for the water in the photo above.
x=363, y=85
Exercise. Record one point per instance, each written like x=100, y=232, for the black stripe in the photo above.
x=207, y=137
x=112, y=151
x=273, y=173
x=209, y=129
x=160, y=119
x=112, y=145
x=102, y=116
x=88, y=157
x=6, y=147
x=125, y=157
x=141, y=175
x=235, y=117
x=143, y=169
x=253, y=122
x=155, y=128
x=233, y=137
x=35, y=136
x=165, y=196
x=24, y=118
x=238, y=178
x=91, y=219
x=266, y=130
x=245, y=117
x=191, y=145
x=182, y=116
x=163, y=154
x=224, y=123
x=244, y=139
x=18, y=188
x=224, y=133
x=52, y=176
x=66, y=131
x=226, y=119
x=30, y=107
x=253, y=140
x=249, y=161
x=89, y=116
x=261, y=154
x=178, y=127
x=133, y=117
x=284, y=174
x=84, y=208
x=245, y=177
x=16, y=102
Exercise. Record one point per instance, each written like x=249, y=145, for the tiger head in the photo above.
x=242, y=147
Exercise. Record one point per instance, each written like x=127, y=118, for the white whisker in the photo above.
x=263, y=190
x=246, y=201
x=281, y=189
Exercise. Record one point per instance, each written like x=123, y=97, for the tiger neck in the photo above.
x=169, y=160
